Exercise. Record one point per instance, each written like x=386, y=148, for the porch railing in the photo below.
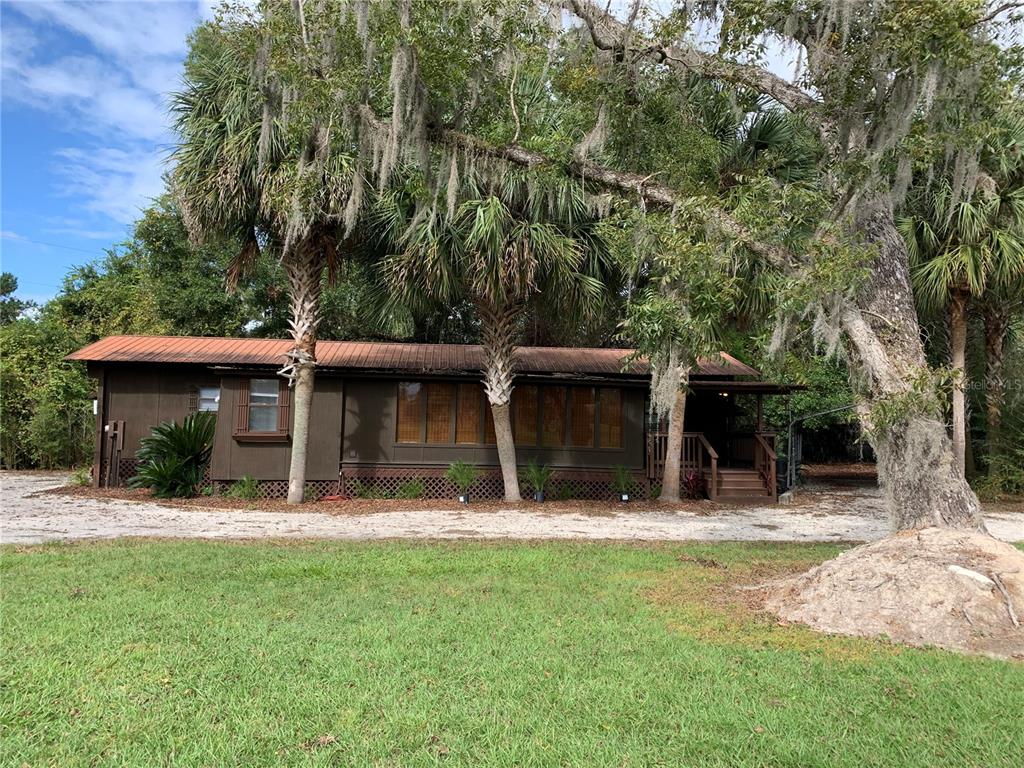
x=765, y=459
x=696, y=455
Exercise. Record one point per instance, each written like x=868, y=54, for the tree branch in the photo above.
x=607, y=33
x=651, y=192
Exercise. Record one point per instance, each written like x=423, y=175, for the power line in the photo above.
x=52, y=245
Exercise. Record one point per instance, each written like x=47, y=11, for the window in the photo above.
x=410, y=412
x=524, y=414
x=443, y=413
x=209, y=399
x=262, y=409
x=610, y=415
x=440, y=412
x=552, y=404
x=583, y=414
x=263, y=402
x=467, y=420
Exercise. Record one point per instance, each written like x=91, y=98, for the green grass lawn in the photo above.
x=469, y=654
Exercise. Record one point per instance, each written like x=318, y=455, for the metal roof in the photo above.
x=381, y=356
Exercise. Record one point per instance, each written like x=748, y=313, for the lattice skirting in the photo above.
x=278, y=489
x=430, y=483
x=424, y=483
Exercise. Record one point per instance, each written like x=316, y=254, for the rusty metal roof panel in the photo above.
x=382, y=356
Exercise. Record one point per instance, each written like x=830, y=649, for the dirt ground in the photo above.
x=31, y=512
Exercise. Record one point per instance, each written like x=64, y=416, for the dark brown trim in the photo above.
x=262, y=437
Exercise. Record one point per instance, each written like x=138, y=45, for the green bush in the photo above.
x=462, y=475
x=1005, y=476
x=622, y=480
x=246, y=488
x=536, y=476
x=564, y=492
x=173, y=459
x=81, y=476
x=411, y=489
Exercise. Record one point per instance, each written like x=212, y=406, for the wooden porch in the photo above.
x=744, y=469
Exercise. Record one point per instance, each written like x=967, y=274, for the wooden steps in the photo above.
x=742, y=484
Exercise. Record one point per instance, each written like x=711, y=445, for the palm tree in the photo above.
x=247, y=166
x=510, y=239
x=963, y=247
x=998, y=311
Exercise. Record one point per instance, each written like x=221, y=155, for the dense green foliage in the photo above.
x=468, y=654
x=174, y=458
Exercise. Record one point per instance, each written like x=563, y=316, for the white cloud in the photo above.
x=117, y=183
x=103, y=71
x=7, y=234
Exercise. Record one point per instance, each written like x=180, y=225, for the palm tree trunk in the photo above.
x=670, y=480
x=304, y=270
x=916, y=467
x=957, y=359
x=996, y=325
x=498, y=328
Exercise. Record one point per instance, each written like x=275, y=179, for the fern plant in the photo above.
x=537, y=477
x=246, y=488
x=462, y=475
x=173, y=459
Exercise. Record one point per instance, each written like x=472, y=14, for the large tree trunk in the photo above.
x=304, y=268
x=498, y=328
x=957, y=357
x=916, y=468
x=996, y=325
x=670, y=478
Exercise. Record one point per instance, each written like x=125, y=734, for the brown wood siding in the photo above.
x=145, y=397
x=370, y=430
x=233, y=459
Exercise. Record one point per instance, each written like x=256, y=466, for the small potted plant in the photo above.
x=462, y=475
x=622, y=481
x=537, y=476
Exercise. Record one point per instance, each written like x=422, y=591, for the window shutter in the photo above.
x=284, y=407
x=242, y=416
x=193, y=400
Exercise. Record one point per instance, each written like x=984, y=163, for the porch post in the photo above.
x=760, y=413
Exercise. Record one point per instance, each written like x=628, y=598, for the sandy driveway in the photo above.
x=826, y=514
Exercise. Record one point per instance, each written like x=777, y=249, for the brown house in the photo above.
x=386, y=416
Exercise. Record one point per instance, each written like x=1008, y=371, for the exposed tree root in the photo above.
x=955, y=589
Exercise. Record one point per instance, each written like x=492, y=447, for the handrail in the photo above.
x=765, y=462
x=764, y=444
x=707, y=446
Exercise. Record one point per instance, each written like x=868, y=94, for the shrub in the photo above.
x=622, y=480
x=174, y=458
x=1005, y=476
x=81, y=476
x=564, y=492
x=536, y=475
x=411, y=489
x=693, y=485
x=246, y=488
x=462, y=475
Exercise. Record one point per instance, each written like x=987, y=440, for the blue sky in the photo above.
x=84, y=126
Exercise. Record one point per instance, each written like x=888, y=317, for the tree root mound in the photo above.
x=942, y=587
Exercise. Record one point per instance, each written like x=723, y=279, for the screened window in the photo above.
x=470, y=410
x=552, y=432
x=209, y=399
x=410, y=412
x=263, y=405
x=524, y=414
x=443, y=413
x=440, y=412
x=583, y=413
x=610, y=416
